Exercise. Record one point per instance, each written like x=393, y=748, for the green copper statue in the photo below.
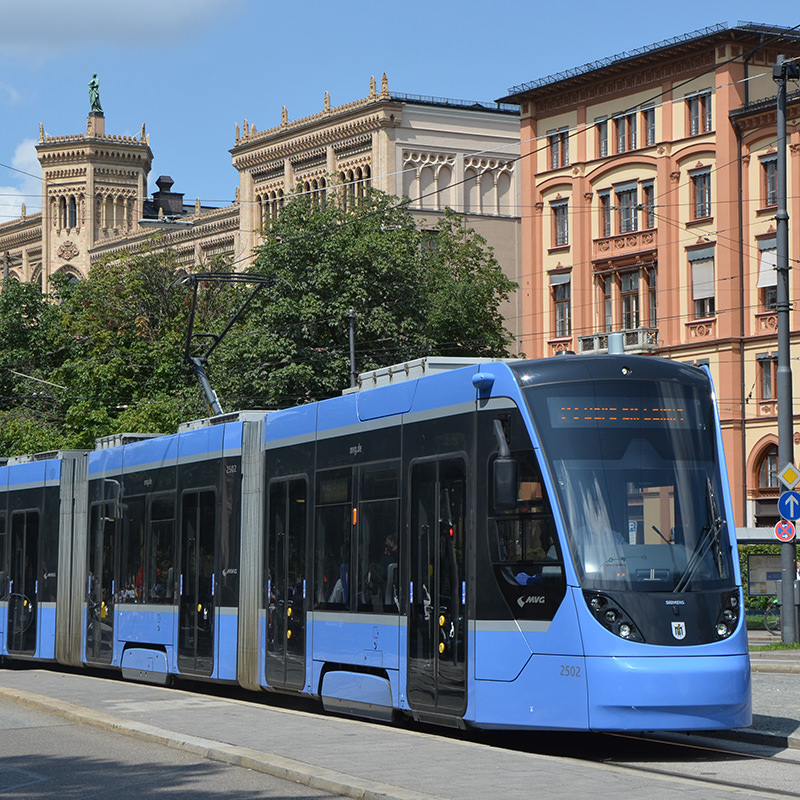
x=94, y=93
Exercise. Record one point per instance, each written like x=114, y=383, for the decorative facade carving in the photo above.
x=67, y=250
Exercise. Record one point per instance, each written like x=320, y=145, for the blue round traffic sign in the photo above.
x=784, y=530
x=789, y=505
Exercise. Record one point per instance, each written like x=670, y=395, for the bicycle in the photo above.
x=772, y=617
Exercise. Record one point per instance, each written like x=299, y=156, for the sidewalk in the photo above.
x=366, y=760
x=785, y=661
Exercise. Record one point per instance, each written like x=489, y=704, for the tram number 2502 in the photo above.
x=570, y=671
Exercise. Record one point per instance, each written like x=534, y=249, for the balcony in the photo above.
x=637, y=340
x=625, y=244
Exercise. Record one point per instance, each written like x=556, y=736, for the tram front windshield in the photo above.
x=634, y=467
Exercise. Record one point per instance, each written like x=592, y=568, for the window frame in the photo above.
x=768, y=468
x=625, y=131
x=701, y=194
x=630, y=305
x=648, y=117
x=704, y=304
x=561, y=292
x=767, y=366
x=605, y=224
x=560, y=232
x=601, y=140
x=558, y=147
x=699, y=116
x=769, y=181
x=648, y=204
x=627, y=217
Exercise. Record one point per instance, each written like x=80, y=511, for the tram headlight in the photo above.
x=728, y=618
x=612, y=617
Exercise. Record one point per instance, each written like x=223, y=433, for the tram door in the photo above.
x=286, y=584
x=196, y=613
x=23, y=568
x=437, y=670
x=3, y=571
x=100, y=590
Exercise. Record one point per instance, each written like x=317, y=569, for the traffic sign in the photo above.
x=789, y=505
x=789, y=476
x=784, y=530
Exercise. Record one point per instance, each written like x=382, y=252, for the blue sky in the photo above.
x=191, y=69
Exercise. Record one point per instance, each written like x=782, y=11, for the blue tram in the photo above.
x=523, y=544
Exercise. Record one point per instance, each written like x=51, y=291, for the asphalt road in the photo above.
x=43, y=756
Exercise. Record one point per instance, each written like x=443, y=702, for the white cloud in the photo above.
x=48, y=28
x=25, y=183
x=9, y=92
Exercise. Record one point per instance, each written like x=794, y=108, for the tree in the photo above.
x=413, y=294
x=127, y=326
x=31, y=343
x=105, y=355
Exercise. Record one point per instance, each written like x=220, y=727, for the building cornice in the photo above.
x=208, y=225
x=21, y=232
x=655, y=64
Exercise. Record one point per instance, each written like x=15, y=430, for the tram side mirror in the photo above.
x=505, y=483
x=505, y=472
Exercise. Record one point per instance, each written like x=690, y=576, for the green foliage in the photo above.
x=412, y=294
x=105, y=355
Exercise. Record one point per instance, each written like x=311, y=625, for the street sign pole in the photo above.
x=782, y=72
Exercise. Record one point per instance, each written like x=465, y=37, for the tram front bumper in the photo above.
x=669, y=692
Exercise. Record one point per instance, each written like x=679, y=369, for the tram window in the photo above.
x=132, y=552
x=525, y=539
x=531, y=492
x=3, y=571
x=378, y=522
x=379, y=482
x=161, y=555
x=333, y=540
x=333, y=557
x=377, y=555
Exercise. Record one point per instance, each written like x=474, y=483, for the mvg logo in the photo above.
x=531, y=599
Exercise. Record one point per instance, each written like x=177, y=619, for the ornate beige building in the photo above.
x=438, y=152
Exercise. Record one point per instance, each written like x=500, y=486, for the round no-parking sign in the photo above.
x=784, y=530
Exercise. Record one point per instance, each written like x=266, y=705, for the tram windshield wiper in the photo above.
x=709, y=540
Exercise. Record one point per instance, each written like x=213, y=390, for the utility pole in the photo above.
x=353, y=374
x=782, y=72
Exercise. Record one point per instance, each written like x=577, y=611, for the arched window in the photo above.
x=323, y=192
x=488, y=197
x=471, y=191
x=427, y=196
x=62, y=212
x=768, y=469
x=505, y=202
x=445, y=179
x=766, y=506
x=359, y=179
x=73, y=212
x=409, y=180
x=348, y=178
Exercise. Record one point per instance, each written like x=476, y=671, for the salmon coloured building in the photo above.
x=648, y=184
